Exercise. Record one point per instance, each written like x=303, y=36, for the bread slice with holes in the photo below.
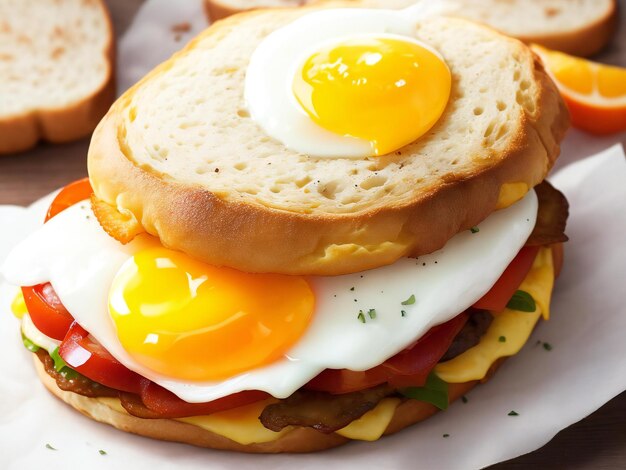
x=579, y=27
x=56, y=70
x=178, y=157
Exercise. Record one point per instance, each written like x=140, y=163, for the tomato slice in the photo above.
x=168, y=405
x=68, y=196
x=499, y=295
x=407, y=368
x=46, y=311
x=88, y=357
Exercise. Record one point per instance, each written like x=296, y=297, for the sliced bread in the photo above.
x=579, y=27
x=56, y=70
x=179, y=156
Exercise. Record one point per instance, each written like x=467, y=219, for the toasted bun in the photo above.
x=191, y=168
x=56, y=70
x=581, y=28
x=299, y=440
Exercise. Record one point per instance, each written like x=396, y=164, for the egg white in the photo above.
x=80, y=260
x=274, y=64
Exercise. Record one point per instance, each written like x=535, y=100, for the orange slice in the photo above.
x=595, y=93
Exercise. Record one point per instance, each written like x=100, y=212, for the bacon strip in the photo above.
x=551, y=217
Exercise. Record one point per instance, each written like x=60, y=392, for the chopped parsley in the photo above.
x=403, y=313
x=547, y=346
x=446, y=435
x=48, y=446
x=474, y=230
x=372, y=313
x=513, y=413
x=522, y=301
x=352, y=288
x=361, y=316
x=502, y=339
x=102, y=452
x=409, y=301
x=464, y=399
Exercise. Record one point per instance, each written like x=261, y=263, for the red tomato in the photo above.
x=168, y=405
x=46, y=311
x=88, y=357
x=68, y=196
x=496, y=299
x=409, y=368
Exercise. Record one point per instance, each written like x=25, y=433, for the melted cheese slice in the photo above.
x=241, y=424
x=513, y=325
x=372, y=424
x=18, y=306
x=510, y=193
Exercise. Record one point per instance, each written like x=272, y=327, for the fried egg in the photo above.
x=205, y=332
x=345, y=83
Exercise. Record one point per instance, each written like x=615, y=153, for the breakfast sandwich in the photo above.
x=308, y=227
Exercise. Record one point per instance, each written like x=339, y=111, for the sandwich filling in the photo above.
x=357, y=403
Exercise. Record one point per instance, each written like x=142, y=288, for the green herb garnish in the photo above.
x=372, y=313
x=59, y=363
x=502, y=339
x=352, y=288
x=48, y=446
x=474, y=230
x=464, y=399
x=61, y=367
x=28, y=344
x=446, y=435
x=513, y=413
x=361, y=316
x=102, y=452
x=409, y=301
x=403, y=313
x=522, y=301
x=435, y=392
x=547, y=346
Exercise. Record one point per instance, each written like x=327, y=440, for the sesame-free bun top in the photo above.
x=179, y=157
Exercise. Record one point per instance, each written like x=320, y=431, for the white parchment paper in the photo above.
x=549, y=389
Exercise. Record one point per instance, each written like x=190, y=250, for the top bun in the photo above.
x=178, y=157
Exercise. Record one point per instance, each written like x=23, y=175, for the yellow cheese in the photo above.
x=18, y=306
x=372, y=424
x=510, y=193
x=241, y=424
x=513, y=325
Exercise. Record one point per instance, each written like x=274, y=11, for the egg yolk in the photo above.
x=189, y=320
x=385, y=90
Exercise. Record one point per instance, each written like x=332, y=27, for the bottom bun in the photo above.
x=299, y=440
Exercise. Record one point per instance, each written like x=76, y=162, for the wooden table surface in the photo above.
x=599, y=441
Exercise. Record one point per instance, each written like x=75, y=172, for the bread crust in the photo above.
x=299, y=440
x=256, y=238
x=583, y=42
x=66, y=124
x=215, y=10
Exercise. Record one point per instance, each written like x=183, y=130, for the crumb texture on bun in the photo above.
x=56, y=70
x=179, y=155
